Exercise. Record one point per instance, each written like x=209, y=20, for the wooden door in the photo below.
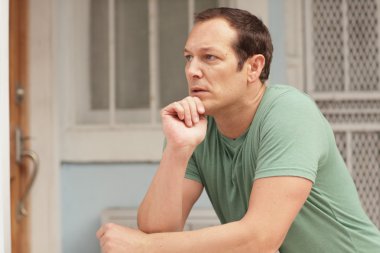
x=20, y=167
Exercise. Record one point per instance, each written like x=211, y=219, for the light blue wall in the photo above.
x=87, y=189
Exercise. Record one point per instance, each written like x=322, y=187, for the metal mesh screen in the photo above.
x=345, y=56
x=366, y=171
x=345, y=45
x=351, y=111
x=341, y=142
x=365, y=168
x=328, y=45
x=363, y=45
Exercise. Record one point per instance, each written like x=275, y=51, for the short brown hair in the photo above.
x=252, y=35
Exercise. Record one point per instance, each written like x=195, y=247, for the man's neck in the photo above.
x=234, y=122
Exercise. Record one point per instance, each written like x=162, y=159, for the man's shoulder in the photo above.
x=286, y=104
x=278, y=90
x=286, y=95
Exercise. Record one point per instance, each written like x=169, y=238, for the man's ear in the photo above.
x=256, y=64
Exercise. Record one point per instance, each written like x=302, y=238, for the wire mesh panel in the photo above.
x=363, y=45
x=328, y=45
x=351, y=111
x=344, y=79
x=341, y=142
x=366, y=171
x=345, y=45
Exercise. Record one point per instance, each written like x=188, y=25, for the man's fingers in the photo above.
x=189, y=110
x=199, y=104
x=100, y=232
x=178, y=108
x=193, y=109
x=102, y=242
x=104, y=235
x=185, y=104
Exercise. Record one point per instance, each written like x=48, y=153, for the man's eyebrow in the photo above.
x=203, y=49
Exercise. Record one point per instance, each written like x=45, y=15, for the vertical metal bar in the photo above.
x=5, y=226
x=154, y=70
x=346, y=51
x=191, y=10
x=112, y=68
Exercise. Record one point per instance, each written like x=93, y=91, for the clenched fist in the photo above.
x=114, y=238
x=184, y=123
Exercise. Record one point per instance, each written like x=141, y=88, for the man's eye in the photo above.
x=188, y=57
x=210, y=57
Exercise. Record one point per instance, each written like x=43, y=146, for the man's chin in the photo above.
x=208, y=111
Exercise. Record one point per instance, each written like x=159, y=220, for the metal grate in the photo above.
x=328, y=46
x=341, y=142
x=345, y=45
x=345, y=81
x=363, y=45
x=366, y=171
x=350, y=105
x=351, y=111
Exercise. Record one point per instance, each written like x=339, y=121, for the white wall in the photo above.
x=5, y=243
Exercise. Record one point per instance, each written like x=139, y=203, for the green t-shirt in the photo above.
x=289, y=136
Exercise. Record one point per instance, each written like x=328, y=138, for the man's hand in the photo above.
x=117, y=239
x=184, y=123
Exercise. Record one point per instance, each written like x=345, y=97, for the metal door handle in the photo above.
x=21, y=211
x=31, y=155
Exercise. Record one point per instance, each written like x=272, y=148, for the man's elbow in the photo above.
x=151, y=228
x=267, y=244
x=156, y=225
x=262, y=245
x=257, y=240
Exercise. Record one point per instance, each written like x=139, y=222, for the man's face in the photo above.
x=211, y=67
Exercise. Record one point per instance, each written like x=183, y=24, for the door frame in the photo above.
x=5, y=226
x=45, y=235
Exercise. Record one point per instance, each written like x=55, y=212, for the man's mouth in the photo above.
x=198, y=90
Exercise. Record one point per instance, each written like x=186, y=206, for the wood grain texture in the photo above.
x=18, y=77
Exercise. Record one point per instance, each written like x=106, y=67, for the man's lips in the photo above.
x=197, y=90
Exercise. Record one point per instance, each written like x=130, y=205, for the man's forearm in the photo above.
x=232, y=237
x=161, y=209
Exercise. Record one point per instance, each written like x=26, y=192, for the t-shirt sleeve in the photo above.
x=192, y=171
x=292, y=138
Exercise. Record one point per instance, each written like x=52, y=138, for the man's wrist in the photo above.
x=180, y=151
x=149, y=244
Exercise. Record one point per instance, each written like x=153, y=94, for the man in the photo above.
x=265, y=155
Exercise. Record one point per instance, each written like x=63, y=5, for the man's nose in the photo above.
x=194, y=69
